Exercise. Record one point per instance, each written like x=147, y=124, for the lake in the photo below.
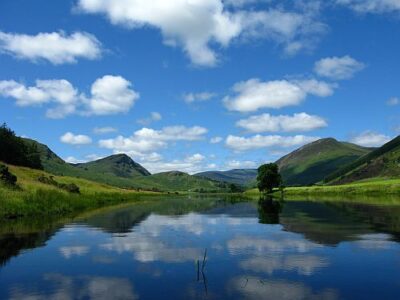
x=207, y=248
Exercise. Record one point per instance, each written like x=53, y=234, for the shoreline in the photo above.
x=374, y=187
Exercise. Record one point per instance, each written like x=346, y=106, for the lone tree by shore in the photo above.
x=268, y=178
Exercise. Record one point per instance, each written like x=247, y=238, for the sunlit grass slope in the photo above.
x=313, y=162
x=34, y=198
x=373, y=186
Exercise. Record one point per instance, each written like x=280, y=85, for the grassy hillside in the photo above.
x=238, y=176
x=116, y=170
x=179, y=181
x=120, y=165
x=121, y=171
x=31, y=197
x=373, y=187
x=382, y=162
x=313, y=162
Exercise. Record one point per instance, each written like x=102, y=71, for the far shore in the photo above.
x=376, y=186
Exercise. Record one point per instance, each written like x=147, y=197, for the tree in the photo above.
x=268, y=177
x=16, y=151
x=233, y=188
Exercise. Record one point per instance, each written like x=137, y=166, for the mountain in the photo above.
x=121, y=171
x=381, y=162
x=116, y=170
x=313, y=162
x=179, y=181
x=237, y=176
x=120, y=165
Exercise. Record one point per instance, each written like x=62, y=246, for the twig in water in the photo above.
x=204, y=260
x=198, y=270
x=247, y=281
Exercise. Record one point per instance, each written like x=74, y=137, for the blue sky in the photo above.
x=199, y=85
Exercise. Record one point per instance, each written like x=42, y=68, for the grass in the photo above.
x=32, y=198
x=178, y=181
x=313, y=162
x=121, y=171
x=374, y=186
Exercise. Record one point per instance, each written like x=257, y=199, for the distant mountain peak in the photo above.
x=120, y=164
x=121, y=157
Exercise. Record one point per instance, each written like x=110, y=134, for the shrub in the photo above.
x=7, y=177
x=71, y=187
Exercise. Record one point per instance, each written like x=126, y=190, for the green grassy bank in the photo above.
x=375, y=186
x=33, y=198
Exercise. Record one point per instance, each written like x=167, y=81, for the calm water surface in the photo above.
x=207, y=249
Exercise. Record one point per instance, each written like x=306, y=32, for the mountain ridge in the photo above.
x=311, y=163
x=122, y=171
x=236, y=176
x=381, y=162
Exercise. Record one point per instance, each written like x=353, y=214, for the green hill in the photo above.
x=116, y=170
x=313, y=162
x=179, y=181
x=381, y=162
x=120, y=165
x=238, y=176
x=121, y=171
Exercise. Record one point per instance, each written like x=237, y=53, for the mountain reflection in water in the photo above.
x=208, y=248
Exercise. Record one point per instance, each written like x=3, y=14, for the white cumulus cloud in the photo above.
x=267, y=123
x=338, y=68
x=370, y=139
x=55, y=47
x=147, y=140
x=72, y=139
x=190, y=164
x=238, y=164
x=109, y=95
x=200, y=25
x=254, y=94
x=238, y=143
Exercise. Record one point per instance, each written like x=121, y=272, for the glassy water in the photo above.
x=207, y=249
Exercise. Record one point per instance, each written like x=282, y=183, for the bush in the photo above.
x=71, y=187
x=7, y=177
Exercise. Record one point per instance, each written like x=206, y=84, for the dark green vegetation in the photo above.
x=69, y=187
x=6, y=177
x=313, y=162
x=243, y=177
x=13, y=150
x=268, y=178
x=383, y=162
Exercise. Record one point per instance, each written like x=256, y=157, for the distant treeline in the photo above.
x=365, y=159
x=15, y=151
